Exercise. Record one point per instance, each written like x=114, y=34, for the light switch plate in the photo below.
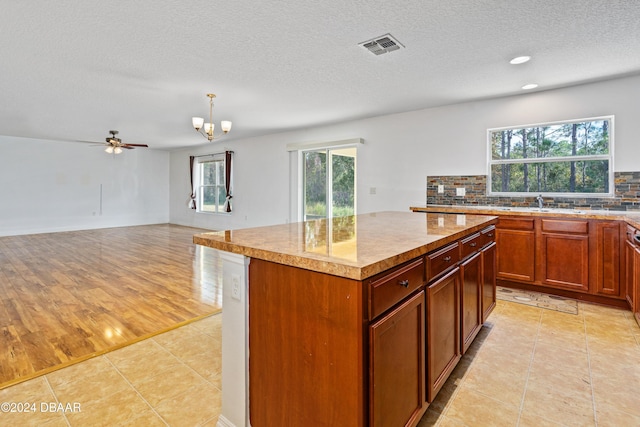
x=440, y=189
x=460, y=191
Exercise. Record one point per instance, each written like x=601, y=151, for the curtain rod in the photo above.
x=213, y=154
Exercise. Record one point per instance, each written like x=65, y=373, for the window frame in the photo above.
x=199, y=185
x=533, y=160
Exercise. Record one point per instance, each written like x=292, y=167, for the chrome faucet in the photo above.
x=540, y=201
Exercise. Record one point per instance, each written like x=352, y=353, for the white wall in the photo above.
x=56, y=186
x=400, y=150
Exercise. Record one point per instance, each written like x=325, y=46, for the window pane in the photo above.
x=220, y=169
x=315, y=184
x=552, y=177
x=560, y=140
x=208, y=198
x=209, y=173
x=343, y=188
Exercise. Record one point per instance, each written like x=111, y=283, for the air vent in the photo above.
x=382, y=44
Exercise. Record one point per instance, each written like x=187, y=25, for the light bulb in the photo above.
x=197, y=122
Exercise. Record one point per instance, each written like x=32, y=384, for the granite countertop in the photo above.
x=355, y=247
x=630, y=217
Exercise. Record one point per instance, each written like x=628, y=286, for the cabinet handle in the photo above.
x=490, y=235
x=637, y=238
x=404, y=283
x=446, y=259
x=473, y=244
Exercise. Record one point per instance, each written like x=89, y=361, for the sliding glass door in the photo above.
x=329, y=182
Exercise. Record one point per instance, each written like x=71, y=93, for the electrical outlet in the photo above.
x=235, y=287
x=440, y=189
x=372, y=190
x=460, y=191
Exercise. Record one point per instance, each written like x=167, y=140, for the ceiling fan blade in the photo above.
x=134, y=145
x=126, y=146
x=90, y=142
x=94, y=143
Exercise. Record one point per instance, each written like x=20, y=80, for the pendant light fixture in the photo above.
x=206, y=129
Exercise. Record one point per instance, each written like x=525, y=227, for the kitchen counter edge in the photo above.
x=335, y=267
x=630, y=217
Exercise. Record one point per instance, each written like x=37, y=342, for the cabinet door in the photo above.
x=443, y=330
x=397, y=365
x=488, y=280
x=516, y=254
x=629, y=275
x=605, y=261
x=470, y=301
x=636, y=285
x=564, y=261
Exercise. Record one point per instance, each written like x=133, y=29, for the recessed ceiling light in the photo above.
x=530, y=86
x=519, y=60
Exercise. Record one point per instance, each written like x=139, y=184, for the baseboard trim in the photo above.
x=224, y=422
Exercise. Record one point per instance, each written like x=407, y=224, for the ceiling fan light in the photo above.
x=117, y=150
x=225, y=125
x=109, y=149
x=197, y=122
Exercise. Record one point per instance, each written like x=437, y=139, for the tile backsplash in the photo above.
x=627, y=194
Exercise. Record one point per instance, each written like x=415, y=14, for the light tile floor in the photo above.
x=536, y=367
x=172, y=379
x=527, y=367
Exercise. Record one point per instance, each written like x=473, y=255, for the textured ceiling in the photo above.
x=73, y=70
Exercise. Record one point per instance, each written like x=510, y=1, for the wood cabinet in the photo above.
x=632, y=270
x=308, y=340
x=443, y=330
x=488, y=280
x=572, y=257
x=470, y=301
x=605, y=255
x=397, y=372
x=397, y=377
x=328, y=350
x=516, y=249
x=563, y=254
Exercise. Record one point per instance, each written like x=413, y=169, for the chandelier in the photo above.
x=206, y=129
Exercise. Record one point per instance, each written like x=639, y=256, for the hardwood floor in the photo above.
x=69, y=296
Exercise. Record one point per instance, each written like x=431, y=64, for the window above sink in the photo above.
x=558, y=159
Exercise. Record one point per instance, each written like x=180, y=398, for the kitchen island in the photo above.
x=352, y=321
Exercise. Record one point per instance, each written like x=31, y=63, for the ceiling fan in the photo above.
x=115, y=144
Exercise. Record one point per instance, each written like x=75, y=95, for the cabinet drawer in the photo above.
x=516, y=223
x=470, y=245
x=564, y=226
x=487, y=236
x=440, y=261
x=389, y=288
